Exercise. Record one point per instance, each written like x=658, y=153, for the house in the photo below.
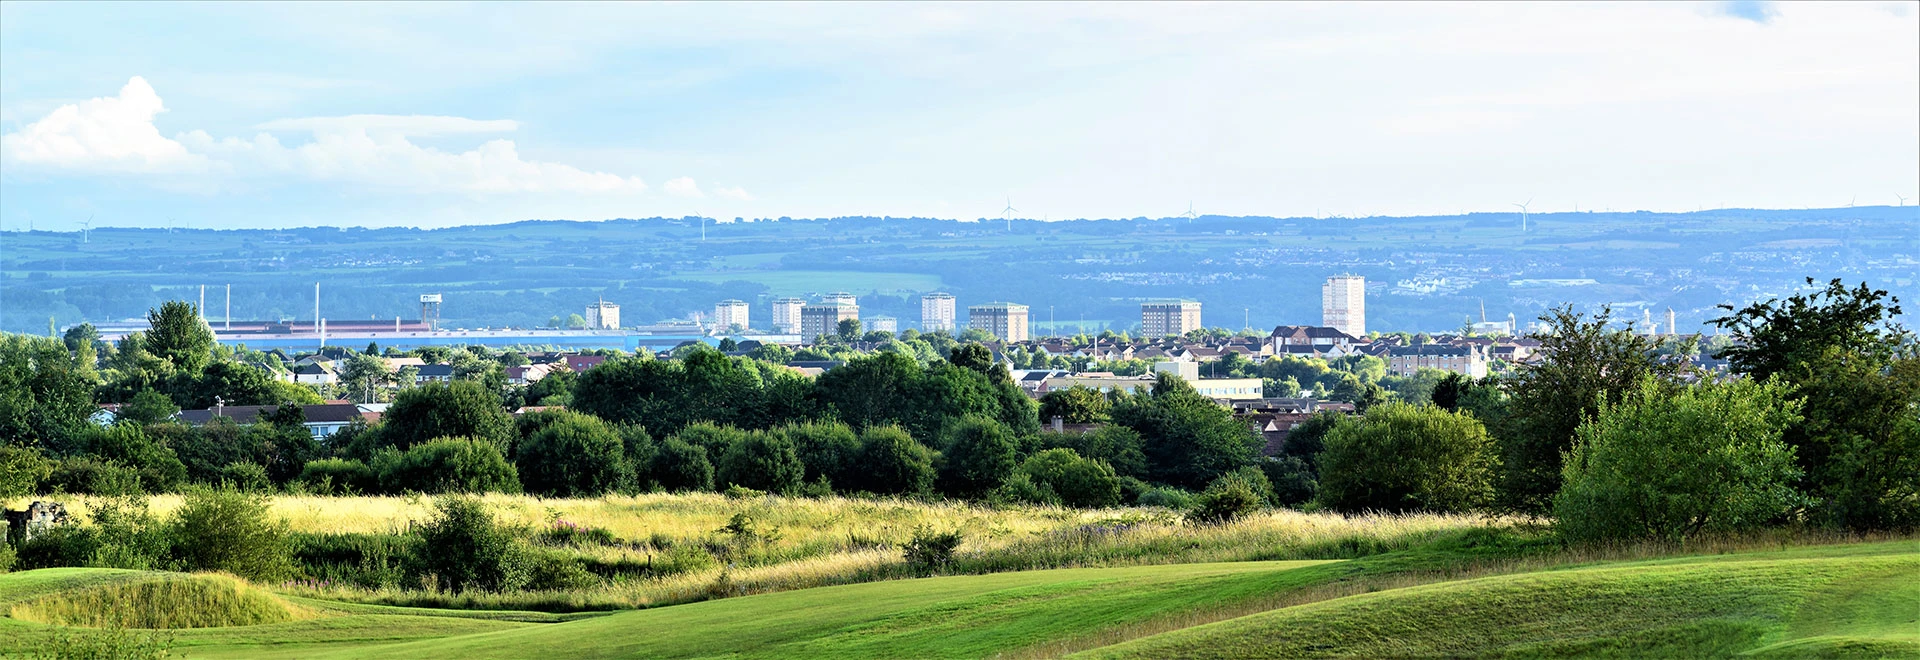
x=315, y=373
x=434, y=373
x=323, y=420
x=531, y=373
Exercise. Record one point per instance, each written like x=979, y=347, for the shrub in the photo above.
x=827, y=449
x=228, y=530
x=21, y=470
x=91, y=476
x=127, y=444
x=1078, y=482
x=1400, y=457
x=979, y=456
x=129, y=536
x=1293, y=480
x=712, y=437
x=1166, y=497
x=249, y=477
x=447, y=465
x=574, y=456
x=763, y=461
x=1230, y=497
x=441, y=410
x=1118, y=446
x=462, y=548
x=680, y=466
x=345, y=476
x=63, y=545
x=1021, y=488
x=931, y=551
x=892, y=463
x=371, y=561
x=1668, y=464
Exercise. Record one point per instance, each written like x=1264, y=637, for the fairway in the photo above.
x=1845, y=600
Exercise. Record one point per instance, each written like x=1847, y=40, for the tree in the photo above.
x=21, y=468
x=178, y=335
x=82, y=335
x=1400, y=458
x=125, y=444
x=575, y=455
x=1447, y=392
x=1308, y=438
x=446, y=465
x=1074, y=405
x=576, y=322
x=1079, y=482
x=1584, y=363
x=365, y=378
x=829, y=450
x=680, y=466
x=1118, y=446
x=464, y=549
x=438, y=410
x=765, y=460
x=149, y=407
x=1189, y=439
x=1839, y=350
x=1671, y=462
x=45, y=398
x=892, y=463
x=1228, y=498
x=231, y=531
x=848, y=329
x=728, y=345
x=979, y=454
x=232, y=383
x=976, y=356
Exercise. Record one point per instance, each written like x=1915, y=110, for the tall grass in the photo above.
x=194, y=601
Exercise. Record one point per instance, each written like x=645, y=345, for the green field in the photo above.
x=1839, y=600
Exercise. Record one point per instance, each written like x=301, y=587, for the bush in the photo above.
x=343, y=476
x=680, y=467
x=765, y=460
x=447, y=465
x=1293, y=480
x=931, y=551
x=1165, y=497
x=892, y=463
x=442, y=410
x=1077, y=481
x=371, y=561
x=228, y=530
x=127, y=445
x=249, y=477
x=62, y=545
x=1118, y=446
x=1022, y=489
x=1400, y=458
x=21, y=470
x=827, y=449
x=462, y=548
x=91, y=476
x=129, y=536
x=1231, y=497
x=979, y=456
x=574, y=456
x=1669, y=464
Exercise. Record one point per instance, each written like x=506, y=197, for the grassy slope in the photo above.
x=1848, y=601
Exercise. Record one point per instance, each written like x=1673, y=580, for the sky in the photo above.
x=227, y=115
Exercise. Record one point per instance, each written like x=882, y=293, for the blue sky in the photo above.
x=236, y=115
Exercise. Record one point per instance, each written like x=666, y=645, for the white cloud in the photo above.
x=112, y=134
x=117, y=134
x=683, y=187
x=415, y=125
x=735, y=192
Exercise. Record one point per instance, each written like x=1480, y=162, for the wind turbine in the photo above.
x=1007, y=214
x=1903, y=201
x=86, y=230
x=1190, y=215
x=1851, y=200
x=1523, y=214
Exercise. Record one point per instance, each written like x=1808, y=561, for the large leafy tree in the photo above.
x=573, y=455
x=178, y=335
x=978, y=454
x=45, y=397
x=1189, y=440
x=1075, y=405
x=1400, y=457
x=1839, y=350
x=1585, y=361
x=439, y=410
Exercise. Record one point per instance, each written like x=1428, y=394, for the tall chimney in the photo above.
x=229, y=313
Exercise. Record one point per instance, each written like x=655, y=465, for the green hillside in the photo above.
x=1852, y=600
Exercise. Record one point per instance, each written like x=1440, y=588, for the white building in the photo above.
x=1343, y=304
x=839, y=297
x=883, y=324
x=603, y=315
x=786, y=315
x=1008, y=321
x=1168, y=317
x=937, y=312
x=730, y=314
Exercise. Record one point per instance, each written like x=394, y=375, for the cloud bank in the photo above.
x=117, y=135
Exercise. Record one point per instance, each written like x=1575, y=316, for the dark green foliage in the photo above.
x=1074, y=405
x=1840, y=350
x=1229, y=498
x=21, y=469
x=1308, y=438
x=1584, y=362
x=91, y=476
x=1400, y=458
x=554, y=389
x=45, y=394
x=231, y=383
x=371, y=561
x=1670, y=462
x=245, y=477
x=127, y=444
x=440, y=410
x=668, y=395
x=1294, y=481
x=829, y=450
x=1021, y=489
x=446, y=465
x=764, y=461
x=63, y=545
x=148, y=407
x=680, y=466
x=1077, y=481
x=1189, y=439
x=890, y=388
x=574, y=456
x=1447, y=392
x=1120, y=447
x=177, y=335
x=978, y=455
x=228, y=530
x=463, y=548
x=343, y=476
x=930, y=552
x=892, y=463
x=976, y=357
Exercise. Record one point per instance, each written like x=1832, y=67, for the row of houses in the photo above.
x=1465, y=355
x=322, y=370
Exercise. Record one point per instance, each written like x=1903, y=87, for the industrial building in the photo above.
x=1008, y=321
x=1343, y=304
x=937, y=312
x=1161, y=318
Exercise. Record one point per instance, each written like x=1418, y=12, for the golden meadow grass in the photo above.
x=201, y=600
x=824, y=541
